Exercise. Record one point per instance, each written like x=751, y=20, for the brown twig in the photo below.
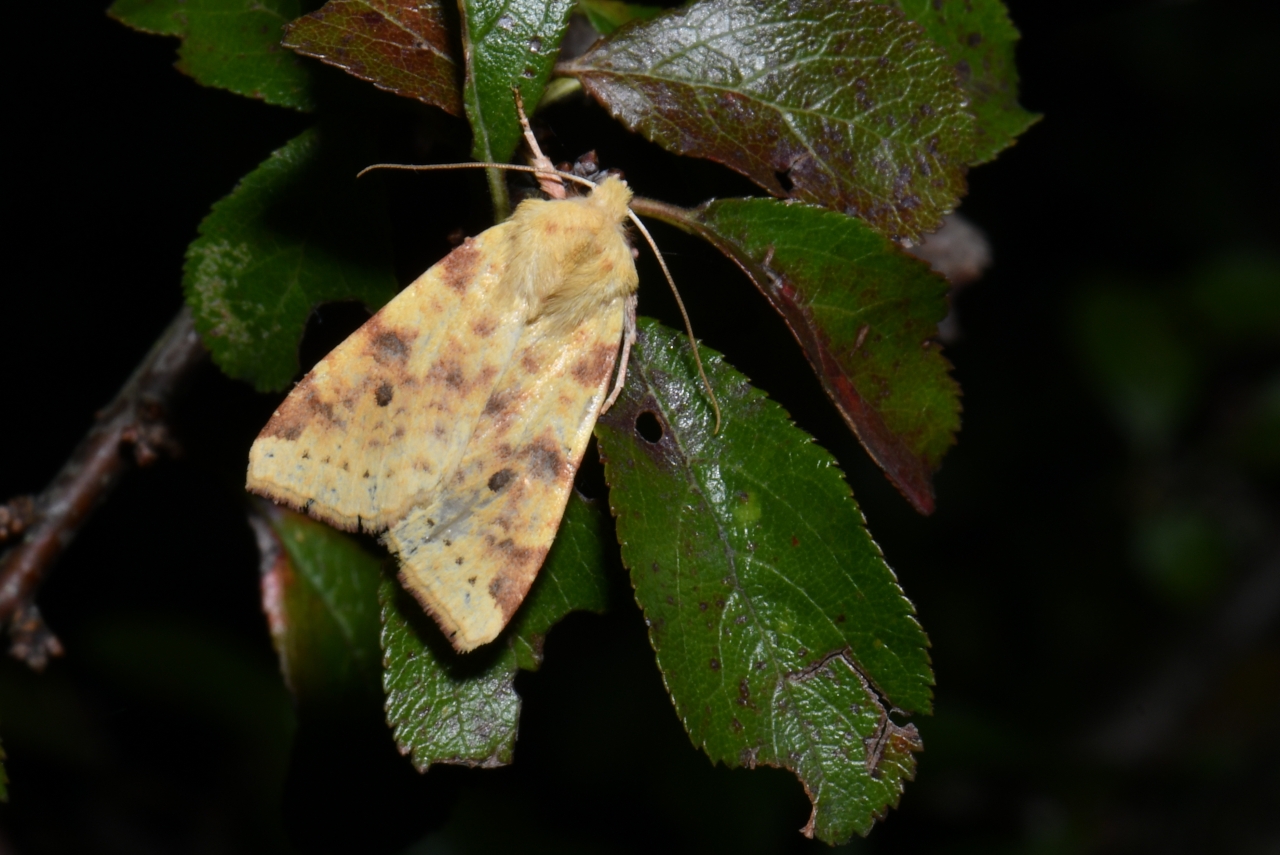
x=134, y=422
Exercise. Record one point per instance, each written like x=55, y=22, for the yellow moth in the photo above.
x=454, y=420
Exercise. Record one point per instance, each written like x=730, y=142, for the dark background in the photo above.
x=1101, y=581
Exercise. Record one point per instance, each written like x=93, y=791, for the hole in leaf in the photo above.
x=648, y=426
x=784, y=179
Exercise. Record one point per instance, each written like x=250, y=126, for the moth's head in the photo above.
x=613, y=196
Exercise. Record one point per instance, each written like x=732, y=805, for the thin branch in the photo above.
x=132, y=429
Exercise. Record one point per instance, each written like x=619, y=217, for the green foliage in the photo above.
x=510, y=45
x=228, y=44
x=772, y=612
x=889, y=142
x=296, y=232
x=446, y=707
x=780, y=630
x=607, y=15
x=978, y=37
x=866, y=314
x=407, y=49
x=320, y=593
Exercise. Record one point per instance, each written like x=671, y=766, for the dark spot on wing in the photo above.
x=458, y=268
x=386, y=346
x=498, y=402
x=500, y=479
x=484, y=327
x=303, y=406
x=594, y=365
x=545, y=460
x=383, y=394
x=519, y=565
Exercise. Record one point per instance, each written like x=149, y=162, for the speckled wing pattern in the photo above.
x=373, y=428
x=455, y=418
x=471, y=554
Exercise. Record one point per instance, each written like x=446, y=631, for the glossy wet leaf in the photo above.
x=404, y=46
x=320, y=594
x=511, y=44
x=848, y=105
x=866, y=314
x=780, y=631
x=978, y=39
x=607, y=15
x=449, y=707
x=229, y=44
x=297, y=231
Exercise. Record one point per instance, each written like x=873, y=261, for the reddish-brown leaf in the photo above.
x=847, y=105
x=403, y=46
x=866, y=314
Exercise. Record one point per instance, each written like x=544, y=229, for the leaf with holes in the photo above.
x=228, y=44
x=508, y=45
x=297, y=231
x=447, y=707
x=848, y=105
x=978, y=39
x=608, y=15
x=404, y=46
x=320, y=594
x=781, y=632
x=866, y=314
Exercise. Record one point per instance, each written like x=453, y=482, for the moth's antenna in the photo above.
x=548, y=179
x=688, y=326
x=431, y=167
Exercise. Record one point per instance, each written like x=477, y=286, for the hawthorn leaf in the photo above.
x=782, y=634
x=297, y=231
x=447, y=707
x=846, y=105
x=978, y=39
x=320, y=595
x=403, y=46
x=509, y=45
x=866, y=314
x=228, y=44
x=607, y=15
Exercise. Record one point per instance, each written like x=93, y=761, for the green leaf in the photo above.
x=978, y=39
x=848, y=105
x=404, y=46
x=447, y=707
x=508, y=44
x=297, y=231
x=320, y=593
x=228, y=44
x=866, y=314
x=782, y=635
x=608, y=15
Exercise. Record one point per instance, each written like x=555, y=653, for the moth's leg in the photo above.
x=628, y=339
